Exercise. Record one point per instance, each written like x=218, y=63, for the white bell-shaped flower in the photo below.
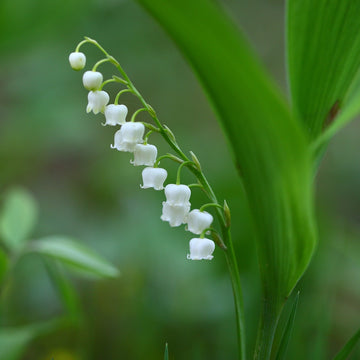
x=177, y=194
x=115, y=114
x=153, y=178
x=92, y=80
x=97, y=101
x=201, y=249
x=77, y=60
x=129, y=135
x=198, y=221
x=175, y=214
x=144, y=154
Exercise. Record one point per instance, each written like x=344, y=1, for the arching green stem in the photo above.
x=185, y=163
x=116, y=101
x=211, y=205
x=106, y=82
x=136, y=113
x=99, y=63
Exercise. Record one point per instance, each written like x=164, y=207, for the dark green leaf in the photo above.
x=268, y=144
x=323, y=45
x=18, y=217
x=70, y=252
x=348, y=348
x=288, y=331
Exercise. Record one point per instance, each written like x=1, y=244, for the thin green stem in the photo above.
x=185, y=163
x=81, y=44
x=116, y=101
x=136, y=113
x=167, y=156
x=211, y=205
x=99, y=63
x=106, y=82
x=147, y=136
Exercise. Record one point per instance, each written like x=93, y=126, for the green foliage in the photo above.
x=348, y=347
x=323, y=46
x=166, y=353
x=288, y=331
x=269, y=147
x=18, y=217
x=72, y=253
x=3, y=264
x=13, y=340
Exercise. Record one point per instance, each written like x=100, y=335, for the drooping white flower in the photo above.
x=97, y=101
x=201, y=249
x=77, y=60
x=177, y=194
x=198, y=221
x=144, y=154
x=153, y=178
x=175, y=214
x=115, y=114
x=129, y=135
x=92, y=80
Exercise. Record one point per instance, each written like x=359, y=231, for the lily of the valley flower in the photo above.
x=77, y=60
x=201, y=249
x=115, y=114
x=129, y=135
x=92, y=80
x=177, y=194
x=175, y=214
x=198, y=221
x=97, y=101
x=144, y=154
x=153, y=178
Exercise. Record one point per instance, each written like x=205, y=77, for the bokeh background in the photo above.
x=49, y=145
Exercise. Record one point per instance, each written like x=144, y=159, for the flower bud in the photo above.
x=144, y=155
x=129, y=135
x=201, y=249
x=177, y=194
x=77, y=60
x=92, y=80
x=153, y=178
x=175, y=214
x=97, y=101
x=198, y=221
x=115, y=114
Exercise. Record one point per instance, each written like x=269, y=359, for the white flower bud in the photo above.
x=77, y=60
x=175, y=214
x=92, y=80
x=128, y=136
x=115, y=114
x=201, y=249
x=177, y=194
x=198, y=221
x=97, y=101
x=153, y=178
x=144, y=155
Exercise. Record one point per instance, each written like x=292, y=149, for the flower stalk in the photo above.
x=194, y=167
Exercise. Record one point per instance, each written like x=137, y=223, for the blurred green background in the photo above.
x=49, y=145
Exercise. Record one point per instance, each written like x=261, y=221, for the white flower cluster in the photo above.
x=129, y=138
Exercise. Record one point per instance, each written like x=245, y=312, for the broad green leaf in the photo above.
x=166, y=353
x=3, y=264
x=348, y=347
x=323, y=46
x=17, y=218
x=70, y=252
x=269, y=146
x=288, y=331
x=13, y=340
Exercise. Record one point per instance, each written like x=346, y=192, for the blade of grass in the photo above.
x=348, y=347
x=166, y=353
x=288, y=331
